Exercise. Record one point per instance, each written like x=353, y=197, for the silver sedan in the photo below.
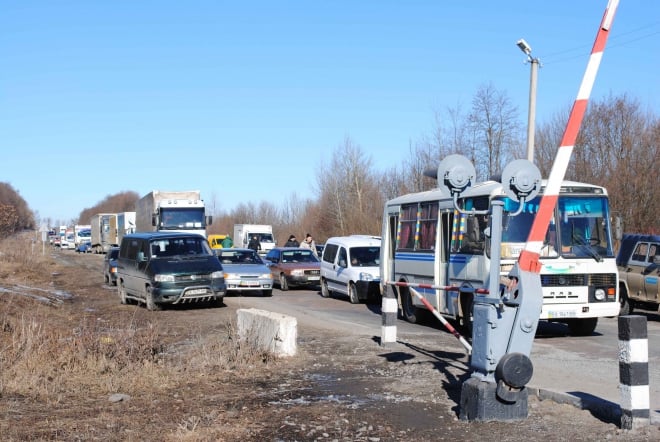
x=245, y=271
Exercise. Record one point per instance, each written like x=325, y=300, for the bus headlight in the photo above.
x=599, y=294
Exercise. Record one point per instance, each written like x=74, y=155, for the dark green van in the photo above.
x=158, y=268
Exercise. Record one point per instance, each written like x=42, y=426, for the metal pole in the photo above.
x=531, y=116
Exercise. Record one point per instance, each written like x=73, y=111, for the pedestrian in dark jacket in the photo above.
x=292, y=242
x=254, y=244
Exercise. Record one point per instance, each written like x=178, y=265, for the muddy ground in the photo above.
x=338, y=387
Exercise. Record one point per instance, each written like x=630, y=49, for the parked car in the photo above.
x=110, y=266
x=158, y=268
x=215, y=240
x=293, y=266
x=350, y=266
x=245, y=271
x=84, y=247
x=638, y=261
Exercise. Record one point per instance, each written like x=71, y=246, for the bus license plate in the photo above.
x=561, y=314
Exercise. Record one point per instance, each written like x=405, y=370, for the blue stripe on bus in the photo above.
x=460, y=259
x=414, y=257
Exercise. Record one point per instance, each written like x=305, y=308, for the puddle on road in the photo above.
x=350, y=391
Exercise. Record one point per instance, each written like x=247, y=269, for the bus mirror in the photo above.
x=455, y=174
x=618, y=228
x=521, y=179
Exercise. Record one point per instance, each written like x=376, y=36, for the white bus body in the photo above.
x=425, y=241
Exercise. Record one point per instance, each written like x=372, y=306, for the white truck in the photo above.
x=82, y=233
x=176, y=211
x=125, y=224
x=104, y=232
x=264, y=232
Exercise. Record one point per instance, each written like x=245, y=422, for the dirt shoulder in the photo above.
x=197, y=384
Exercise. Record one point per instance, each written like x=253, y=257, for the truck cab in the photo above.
x=638, y=262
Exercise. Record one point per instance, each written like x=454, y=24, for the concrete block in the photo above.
x=272, y=332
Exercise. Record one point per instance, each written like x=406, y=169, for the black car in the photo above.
x=110, y=266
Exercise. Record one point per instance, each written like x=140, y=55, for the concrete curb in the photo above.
x=600, y=408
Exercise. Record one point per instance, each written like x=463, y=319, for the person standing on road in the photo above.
x=227, y=243
x=308, y=243
x=254, y=244
x=292, y=242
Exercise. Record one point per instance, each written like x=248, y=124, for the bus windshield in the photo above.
x=579, y=228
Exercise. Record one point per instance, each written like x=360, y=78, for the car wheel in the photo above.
x=121, y=290
x=325, y=291
x=352, y=293
x=284, y=285
x=150, y=302
x=267, y=292
x=626, y=303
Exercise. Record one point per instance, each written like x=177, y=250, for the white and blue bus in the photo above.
x=426, y=241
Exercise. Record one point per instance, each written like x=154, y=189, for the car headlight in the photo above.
x=229, y=276
x=265, y=276
x=217, y=274
x=364, y=276
x=164, y=278
x=297, y=272
x=599, y=294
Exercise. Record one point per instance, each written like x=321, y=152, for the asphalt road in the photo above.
x=584, y=367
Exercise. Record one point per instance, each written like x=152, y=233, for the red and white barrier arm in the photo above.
x=529, y=258
x=449, y=288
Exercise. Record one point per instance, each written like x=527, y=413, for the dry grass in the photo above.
x=53, y=358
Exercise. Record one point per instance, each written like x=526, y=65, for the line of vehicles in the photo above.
x=424, y=241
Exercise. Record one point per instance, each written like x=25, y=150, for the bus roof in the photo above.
x=493, y=188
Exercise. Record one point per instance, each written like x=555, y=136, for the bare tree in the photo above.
x=495, y=128
x=348, y=193
x=618, y=148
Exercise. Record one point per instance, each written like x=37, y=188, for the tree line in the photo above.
x=617, y=147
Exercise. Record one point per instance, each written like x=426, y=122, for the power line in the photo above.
x=616, y=42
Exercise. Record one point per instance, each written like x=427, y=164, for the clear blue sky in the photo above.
x=245, y=100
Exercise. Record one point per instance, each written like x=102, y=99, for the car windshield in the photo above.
x=179, y=246
x=365, y=256
x=294, y=256
x=240, y=257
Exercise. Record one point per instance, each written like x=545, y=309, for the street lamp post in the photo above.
x=531, y=116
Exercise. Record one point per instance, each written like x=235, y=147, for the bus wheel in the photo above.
x=466, y=300
x=582, y=327
x=408, y=310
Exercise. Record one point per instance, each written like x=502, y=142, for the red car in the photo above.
x=293, y=267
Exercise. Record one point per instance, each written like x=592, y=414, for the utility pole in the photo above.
x=531, y=116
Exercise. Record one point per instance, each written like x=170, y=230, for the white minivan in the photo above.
x=350, y=266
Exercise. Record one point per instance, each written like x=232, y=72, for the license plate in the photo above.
x=196, y=292
x=249, y=284
x=561, y=314
x=313, y=278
